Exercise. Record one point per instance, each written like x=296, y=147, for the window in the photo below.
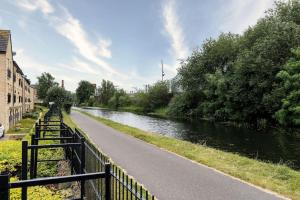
x=8, y=98
x=8, y=73
x=14, y=77
x=14, y=98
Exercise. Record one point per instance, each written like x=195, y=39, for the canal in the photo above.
x=268, y=145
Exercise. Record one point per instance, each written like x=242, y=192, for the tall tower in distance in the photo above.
x=162, y=70
x=63, y=84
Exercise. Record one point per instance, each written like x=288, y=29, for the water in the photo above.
x=271, y=145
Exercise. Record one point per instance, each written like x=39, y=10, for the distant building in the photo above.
x=16, y=94
x=35, y=96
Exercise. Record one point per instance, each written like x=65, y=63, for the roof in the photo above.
x=18, y=68
x=4, y=37
x=27, y=80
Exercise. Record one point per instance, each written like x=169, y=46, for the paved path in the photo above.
x=165, y=174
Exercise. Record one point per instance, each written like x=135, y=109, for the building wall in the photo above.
x=6, y=85
x=3, y=89
x=15, y=98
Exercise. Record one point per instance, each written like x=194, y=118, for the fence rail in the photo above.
x=99, y=179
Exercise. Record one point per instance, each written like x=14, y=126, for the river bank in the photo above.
x=276, y=177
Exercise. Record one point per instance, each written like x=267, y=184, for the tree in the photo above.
x=45, y=81
x=61, y=97
x=159, y=95
x=106, y=91
x=119, y=99
x=84, y=90
x=289, y=114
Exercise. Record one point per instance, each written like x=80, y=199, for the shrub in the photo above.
x=32, y=115
x=38, y=192
x=10, y=156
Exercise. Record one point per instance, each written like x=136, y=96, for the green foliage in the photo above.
x=181, y=105
x=60, y=97
x=119, y=99
x=106, y=91
x=45, y=81
x=10, y=157
x=32, y=115
x=159, y=95
x=37, y=192
x=233, y=77
x=84, y=91
x=289, y=114
x=23, y=126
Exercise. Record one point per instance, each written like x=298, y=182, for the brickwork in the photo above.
x=16, y=96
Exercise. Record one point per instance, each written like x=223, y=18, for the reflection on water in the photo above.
x=271, y=145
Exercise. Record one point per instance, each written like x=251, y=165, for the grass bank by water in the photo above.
x=275, y=177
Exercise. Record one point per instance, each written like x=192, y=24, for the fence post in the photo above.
x=24, y=167
x=37, y=135
x=82, y=164
x=32, y=158
x=107, y=181
x=4, y=188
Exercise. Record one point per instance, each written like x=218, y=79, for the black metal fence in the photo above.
x=98, y=178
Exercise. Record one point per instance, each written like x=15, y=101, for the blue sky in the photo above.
x=122, y=41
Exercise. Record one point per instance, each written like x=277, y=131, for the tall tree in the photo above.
x=289, y=114
x=45, y=81
x=84, y=90
x=106, y=91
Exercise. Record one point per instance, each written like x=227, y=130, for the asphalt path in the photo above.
x=166, y=175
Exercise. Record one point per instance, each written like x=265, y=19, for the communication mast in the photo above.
x=162, y=70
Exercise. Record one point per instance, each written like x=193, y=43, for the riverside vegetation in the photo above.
x=251, y=78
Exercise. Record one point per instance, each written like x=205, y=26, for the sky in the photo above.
x=120, y=41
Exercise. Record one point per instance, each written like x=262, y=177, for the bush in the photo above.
x=10, y=157
x=38, y=192
x=67, y=107
x=31, y=115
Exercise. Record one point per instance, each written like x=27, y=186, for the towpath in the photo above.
x=164, y=174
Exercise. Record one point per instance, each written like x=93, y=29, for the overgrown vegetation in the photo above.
x=234, y=77
x=276, y=177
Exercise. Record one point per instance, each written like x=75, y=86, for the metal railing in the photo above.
x=98, y=178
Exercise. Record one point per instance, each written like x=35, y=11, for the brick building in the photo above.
x=16, y=94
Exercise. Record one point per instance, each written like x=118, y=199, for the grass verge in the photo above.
x=275, y=177
x=25, y=125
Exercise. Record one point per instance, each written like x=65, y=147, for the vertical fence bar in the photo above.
x=24, y=167
x=131, y=188
x=107, y=181
x=4, y=189
x=37, y=135
x=32, y=158
x=82, y=164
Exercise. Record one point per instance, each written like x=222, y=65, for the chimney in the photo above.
x=62, y=84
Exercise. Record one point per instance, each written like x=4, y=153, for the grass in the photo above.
x=132, y=108
x=160, y=112
x=25, y=125
x=275, y=177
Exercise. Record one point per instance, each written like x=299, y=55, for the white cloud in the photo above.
x=32, y=5
x=236, y=16
x=71, y=28
x=174, y=30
